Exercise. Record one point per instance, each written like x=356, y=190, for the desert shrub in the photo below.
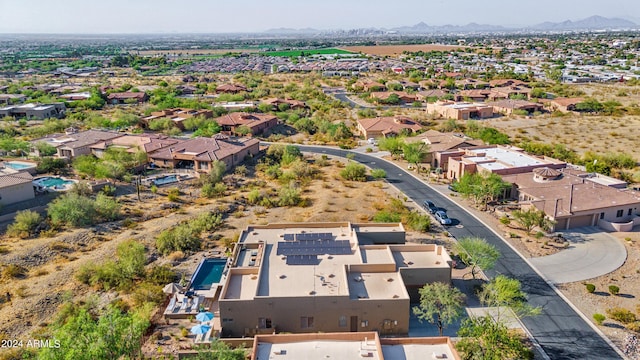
x=634, y=326
x=107, y=207
x=211, y=191
x=25, y=224
x=147, y=293
x=621, y=315
x=354, y=171
x=77, y=210
x=378, y=173
x=540, y=235
x=614, y=290
x=289, y=196
x=590, y=288
x=418, y=222
x=505, y=220
x=173, y=194
x=180, y=238
x=599, y=318
x=254, y=196
x=14, y=271
x=386, y=216
x=160, y=275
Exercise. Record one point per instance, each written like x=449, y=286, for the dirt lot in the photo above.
x=52, y=261
x=383, y=50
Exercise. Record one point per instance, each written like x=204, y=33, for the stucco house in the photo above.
x=15, y=186
x=387, y=126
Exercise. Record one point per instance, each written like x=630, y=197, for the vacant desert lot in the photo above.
x=398, y=49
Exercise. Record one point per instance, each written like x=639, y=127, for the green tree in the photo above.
x=530, y=218
x=484, y=339
x=482, y=187
x=589, y=105
x=354, y=172
x=440, y=304
x=131, y=258
x=502, y=292
x=219, y=350
x=477, y=253
x=51, y=165
x=25, y=224
x=414, y=153
x=394, y=145
x=45, y=149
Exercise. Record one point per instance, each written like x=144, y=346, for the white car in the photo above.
x=372, y=141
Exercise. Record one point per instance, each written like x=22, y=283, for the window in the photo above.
x=602, y=215
x=264, y=323
x=342, y=321
x=619, y=213
x=630, y=212
x=306, y=322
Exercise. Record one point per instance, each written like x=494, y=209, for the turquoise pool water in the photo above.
x=165, y=180
x=52, y=182
x=209, y=272
x=17, y=165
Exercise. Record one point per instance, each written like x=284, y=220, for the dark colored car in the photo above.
x=442, y=217
x=429, y=205
x=452, y=187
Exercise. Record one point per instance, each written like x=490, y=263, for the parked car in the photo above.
x=429, y=205
x=372, y=141
x=452, y=187
x=442, y=217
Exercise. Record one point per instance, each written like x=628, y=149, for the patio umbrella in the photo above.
x=172, y=288
x=204, y=316
x=200, y=329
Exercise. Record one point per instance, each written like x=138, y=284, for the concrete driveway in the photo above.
x=592, y=253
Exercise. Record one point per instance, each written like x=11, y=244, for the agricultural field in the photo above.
x=391, y=50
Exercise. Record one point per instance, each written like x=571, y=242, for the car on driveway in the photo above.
x=430, y=206
x=442, y=217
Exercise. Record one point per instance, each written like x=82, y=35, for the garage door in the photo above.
x=580, y=221
x=561, y=224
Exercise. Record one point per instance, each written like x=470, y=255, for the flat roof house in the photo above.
x=257, y=123
x=15, y=186
x=387, y=126
x=507, y=106
x=574, y=199
x=350, y=346
x=328, y=277
x=34, y=111
x=499, y=159
x=133, y=143
x=460, y=110
x=199, y=153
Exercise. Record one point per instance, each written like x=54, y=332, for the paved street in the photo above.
x=592, y=253
x=559, y=329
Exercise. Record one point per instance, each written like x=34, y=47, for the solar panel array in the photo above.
x=308, y=236
x=302, y=260
x=304, y=248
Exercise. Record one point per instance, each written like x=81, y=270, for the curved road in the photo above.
x=561, y=332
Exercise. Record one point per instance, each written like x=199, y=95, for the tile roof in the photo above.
x=11, y=179
x=386, y=124
x=84, y=138
x=204, y=149
x=126, y=95
x=439, y=141
x=242, y=118
x=146, y=142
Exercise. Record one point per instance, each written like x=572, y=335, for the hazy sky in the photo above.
x=219, y=16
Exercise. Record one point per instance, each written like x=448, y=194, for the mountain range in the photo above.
x=591, y=23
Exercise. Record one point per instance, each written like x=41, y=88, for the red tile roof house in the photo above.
x=387, y=126
x=199, y=153
x=441, y=144
x=230, y=88
x=369, y=86
x=127, y=98
x=293, y=104
x=575, y=201
x=507, y=82
x=177, y=115
x=403, y=96
x=257, y=123
x=15, y=186
x=134, y=143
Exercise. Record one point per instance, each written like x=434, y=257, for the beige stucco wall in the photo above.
x=16, y=193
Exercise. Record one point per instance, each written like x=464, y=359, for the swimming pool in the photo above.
x=209, y=272
x=168, y=179
x=15, y=165
x=53, y=182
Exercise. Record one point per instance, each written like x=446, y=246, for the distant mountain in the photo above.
x=590, y=23
x=422, y=28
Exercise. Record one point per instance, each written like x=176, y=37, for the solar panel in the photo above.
x=302, y=260
x=288, y=237
x=308, y=246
